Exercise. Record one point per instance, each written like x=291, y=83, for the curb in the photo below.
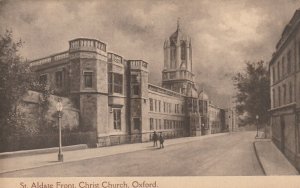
x=258, y=159
x=94, y=157
x=41, y=151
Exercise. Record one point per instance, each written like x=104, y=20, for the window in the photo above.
x=43, y=79
x=289, y=63
x=134, y=78
x=151, y=123
x=283, y=65
x=291, y=92
x=274, y=98
x=59, y=79
x=279, y=96
x=88, y=79
x=117, y=118
x=155, y=105
x=159, y=122
x=165, y=124
x=273, y=73
x=115, y=83
x=183, y=50
x=284, y=94
x=173, y=54
x=172, y=75
x=278, y=69
x=136, y=123
x=136, y=90
x=135, y=84
x=159, y=106
x=118, y=83
x=151, y=104
x=110, y=79
x=299, y=54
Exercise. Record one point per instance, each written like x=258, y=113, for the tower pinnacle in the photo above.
x=178, y=23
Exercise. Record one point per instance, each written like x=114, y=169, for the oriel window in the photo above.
x=115, y=83
x=118, y=83
x=135, y=85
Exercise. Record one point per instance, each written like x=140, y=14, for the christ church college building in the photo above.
x=115, y=99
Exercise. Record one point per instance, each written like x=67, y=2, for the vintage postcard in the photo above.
x=148, y=94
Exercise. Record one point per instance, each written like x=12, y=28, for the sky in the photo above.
x=225, y=34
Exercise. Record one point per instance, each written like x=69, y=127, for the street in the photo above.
x=226, y=155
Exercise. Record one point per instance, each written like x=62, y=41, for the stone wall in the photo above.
x=30, y=107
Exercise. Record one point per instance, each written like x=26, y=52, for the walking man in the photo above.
x=161, y=141
x=155, y=137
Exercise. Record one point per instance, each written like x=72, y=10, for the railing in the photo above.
x=163, y=90
x=138, y=64
x=49, y=59
x=87, y=43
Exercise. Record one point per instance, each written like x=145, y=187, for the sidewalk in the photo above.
x=272, y=160
x=33, y=161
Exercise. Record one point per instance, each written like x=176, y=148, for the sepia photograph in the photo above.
x=144, y=93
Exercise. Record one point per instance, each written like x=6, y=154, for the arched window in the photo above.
x=173, y=54
x=183, y=50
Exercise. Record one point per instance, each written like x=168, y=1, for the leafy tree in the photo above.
x=15, y=80
x=253, y=92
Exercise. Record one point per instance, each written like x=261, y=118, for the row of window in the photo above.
x=117, y=120
x=158, y=106
x=280, y=95
x=115, y=81
x=167, y=124
x=284, y=66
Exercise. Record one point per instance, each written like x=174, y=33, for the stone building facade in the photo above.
x=284, y=70
x=116, y=100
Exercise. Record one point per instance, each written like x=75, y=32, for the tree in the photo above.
x=253, y=92
x=15, y=80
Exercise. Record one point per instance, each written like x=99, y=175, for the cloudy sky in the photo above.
x=225, y=34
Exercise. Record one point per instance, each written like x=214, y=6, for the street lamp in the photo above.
x=257, y=117
x=59, y=108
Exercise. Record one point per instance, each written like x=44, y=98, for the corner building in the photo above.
x=284, y=70
x=116, y=100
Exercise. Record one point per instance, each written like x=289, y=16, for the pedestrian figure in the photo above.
x=161, y=141
x=155, y=138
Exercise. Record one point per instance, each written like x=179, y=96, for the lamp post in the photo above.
x=257, y=117
x=59, y=108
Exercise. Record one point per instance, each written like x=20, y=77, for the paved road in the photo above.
x=226, y=155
